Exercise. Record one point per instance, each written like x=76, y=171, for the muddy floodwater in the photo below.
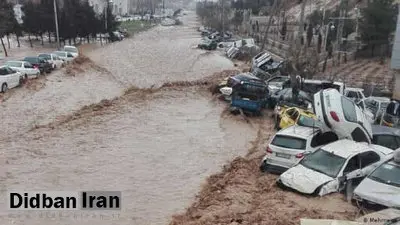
x=156, y=150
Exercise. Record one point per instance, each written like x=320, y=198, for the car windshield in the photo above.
x=289, y=142
x=31, y=59
x=324, y=162
x=70, y=49
x=387, y=173
x=14, y=64
x=307, y=121
x=46, y=56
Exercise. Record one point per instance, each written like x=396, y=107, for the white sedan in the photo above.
x=25, y=68
x=9, y=78
x=326, y=170
x=72, y=49
x=342, y=116
x=53, y=59
x=66, y=56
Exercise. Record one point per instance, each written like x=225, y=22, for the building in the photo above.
x=119, y=7
x=395, y=61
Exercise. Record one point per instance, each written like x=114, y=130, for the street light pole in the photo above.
x=105, y=14
x=56, y=21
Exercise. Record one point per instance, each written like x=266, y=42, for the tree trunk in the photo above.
x=4, y=47
x=88, y=39
x=8, y=41
x=41, y=37
x=372, y=50
x=49, y=36
x=74, y=41
x=30, y=40
x=19, y=44
x=101, y=40
x=69, y=41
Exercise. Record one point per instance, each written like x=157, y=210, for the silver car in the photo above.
x=382, y=186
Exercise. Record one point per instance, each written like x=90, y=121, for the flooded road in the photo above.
x=156, y=150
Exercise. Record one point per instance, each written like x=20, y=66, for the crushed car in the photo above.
x=342, y=115
x=293, y=115
x=249, y=96
x=286, y=95
x=377, y=106
x=381, y=188
x=207, y=44
x=391, y=117
x=386, y=136
x=288, y=146
x=325, y=170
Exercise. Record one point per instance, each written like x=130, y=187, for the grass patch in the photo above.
x=135, y=26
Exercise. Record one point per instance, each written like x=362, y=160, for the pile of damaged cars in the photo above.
x=335, y=148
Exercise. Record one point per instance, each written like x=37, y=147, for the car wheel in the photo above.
x=4, y=88
x=26, y=77
x=264, y=167
x=37, y=75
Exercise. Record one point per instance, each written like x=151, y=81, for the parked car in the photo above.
x=25, y=68
x=208, y=44
x=386, y=136
x=382, y=186
x=71, y=49
x=9, y=78
x=53, y=59
x=342, y=115
x=326, y=170
x=41, y=63
x=293, y=115
x=261, y=57
x=355, y=94
x=66, y=56
x=377, y=106
x=286, y=95
x=291, y=144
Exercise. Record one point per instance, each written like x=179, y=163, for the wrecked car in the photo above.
x=382, y=186
x=355, y=94
x=208, y=45
x=291, y=144
x=287, y=95
x=276, y=83
x=293, y=115
x=386, y=136
x=377, y=106
x=249, y=96
x=342, y=115
x=325, y=170
x=391, y=117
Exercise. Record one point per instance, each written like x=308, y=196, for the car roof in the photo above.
x=16, y=61
x=377, y=129
x=354, y=89
x=346, y=148
x=69, y=46
x=379, y=99
x=299, y=131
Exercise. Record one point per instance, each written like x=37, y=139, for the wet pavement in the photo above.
x=156, y=151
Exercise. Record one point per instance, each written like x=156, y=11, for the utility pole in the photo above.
x=301, y=25
x=56, y=21
x=223, y=18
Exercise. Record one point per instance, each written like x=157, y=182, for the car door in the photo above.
x=12, y=78
x=342, y=116
x=28, y=68
x=350, y=171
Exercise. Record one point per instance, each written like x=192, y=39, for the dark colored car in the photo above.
x=386, y=136
x=208, y=45
x=42, y=64
x=285, y=95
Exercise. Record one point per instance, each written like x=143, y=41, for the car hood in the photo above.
x=378, y=192
x=303, y=179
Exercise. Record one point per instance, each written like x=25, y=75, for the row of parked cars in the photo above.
x=330, y=138
x=14, y=72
